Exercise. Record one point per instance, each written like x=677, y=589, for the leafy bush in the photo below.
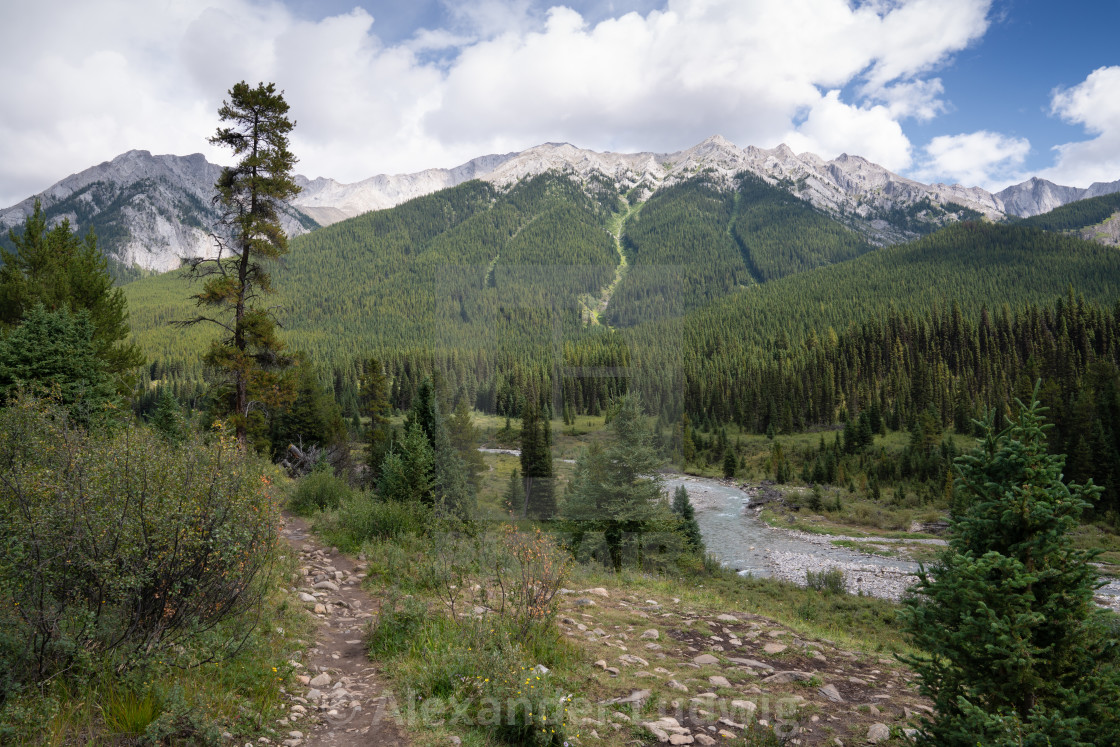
x=122, y=545
x=320, y=490
x=828, y=582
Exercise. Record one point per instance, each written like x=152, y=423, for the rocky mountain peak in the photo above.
x=152, y=210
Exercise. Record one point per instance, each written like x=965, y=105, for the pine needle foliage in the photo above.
x=250, y=194
x=1015, y=652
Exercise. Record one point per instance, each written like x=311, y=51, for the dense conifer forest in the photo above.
x=741, y=306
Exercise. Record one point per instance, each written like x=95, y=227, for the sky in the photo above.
x=978, y=92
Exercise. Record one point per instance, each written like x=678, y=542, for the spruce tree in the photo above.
x=54, y=353
x=465, y=438
x=451, y=491
x=682, y=507
x=406, y=472
x=168, y=417
x=515, y=494
x=536, y=464
x=617, y=489
x=251, y=194
x=1015, y=652
x=55, y=268
x=311, y=417
x=375, y=399
x=729, y=463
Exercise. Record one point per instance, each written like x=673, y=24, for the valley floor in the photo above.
x=647, y=659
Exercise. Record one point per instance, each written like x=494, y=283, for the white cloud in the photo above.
x=834, y=127
x=83, y=82
x=985, y=159
x=1094, y=104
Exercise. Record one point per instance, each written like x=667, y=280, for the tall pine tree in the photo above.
x=251, y=194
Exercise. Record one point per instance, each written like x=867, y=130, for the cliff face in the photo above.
x=152, y=211
x=148, y=211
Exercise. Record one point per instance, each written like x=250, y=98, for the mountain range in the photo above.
x=149, y=211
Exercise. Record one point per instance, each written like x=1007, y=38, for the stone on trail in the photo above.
x=305, y=597
x=830, y=692
x=321, y=680
x=784, y=678
x=751, y=663
x=878, y=733
x=637, y=696
x=748, y=706
x=328, y=585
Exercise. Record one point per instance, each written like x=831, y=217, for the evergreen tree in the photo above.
x=311, y=416
x=451, y=491
x=168, y=417
x=682, y=507
x=406, y=472
x=375, y=398
x=729, y=463
x=1015, y=652
x=54, y=353
x=779, y=463
x=251, y=194
x=616, y=489
x=515, y=494
x=688, y=447
x=536, y=464
x=424, y=411
x=53, y=267
x=465, y=438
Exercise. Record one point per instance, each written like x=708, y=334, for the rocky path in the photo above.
x=340, y=702
x=710, y=677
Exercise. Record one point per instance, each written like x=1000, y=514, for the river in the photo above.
x=733, y=533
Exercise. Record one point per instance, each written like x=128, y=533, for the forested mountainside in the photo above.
x=474, y=268
x=149, y=211
x=722, y=303
x=1094, y=219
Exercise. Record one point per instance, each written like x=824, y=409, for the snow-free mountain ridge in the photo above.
x=152, y=211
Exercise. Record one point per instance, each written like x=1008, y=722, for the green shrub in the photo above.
x=396, y=628
x=827, y=582
x=363, y=517
x=320, y=490
x=123, y=547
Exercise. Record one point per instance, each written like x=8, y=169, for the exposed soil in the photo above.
x=349, y=709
